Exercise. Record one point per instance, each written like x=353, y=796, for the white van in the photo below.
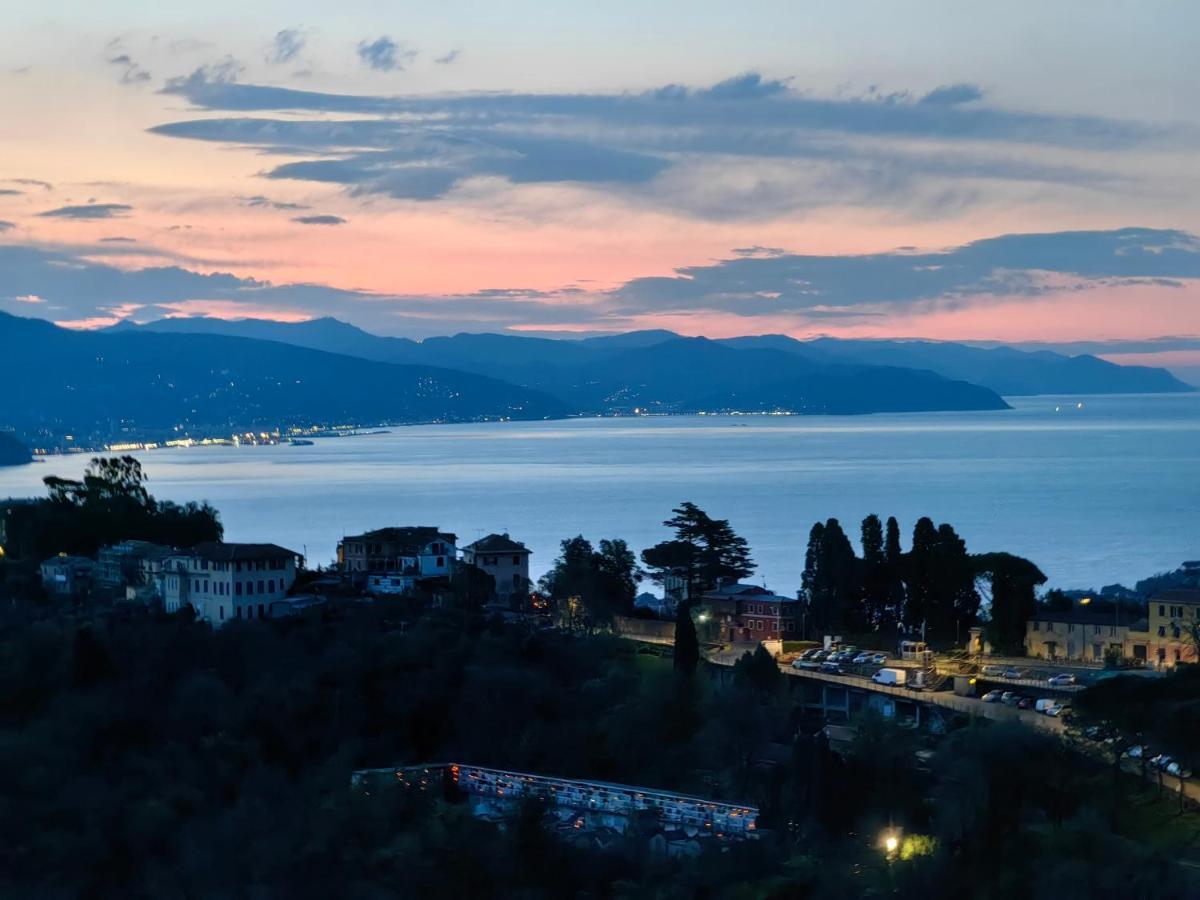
x=895, y=677
x=1043, y=705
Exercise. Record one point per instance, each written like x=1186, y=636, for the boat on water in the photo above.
x=300, y=442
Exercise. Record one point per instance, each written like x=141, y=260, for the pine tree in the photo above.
x=920, y=565
x=894, y=561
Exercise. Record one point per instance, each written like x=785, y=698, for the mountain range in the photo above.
x=543, y=363
x=200, y=376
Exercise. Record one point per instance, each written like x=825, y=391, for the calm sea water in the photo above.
x=1109, y=492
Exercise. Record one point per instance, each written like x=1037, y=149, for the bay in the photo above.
x=1094, y=495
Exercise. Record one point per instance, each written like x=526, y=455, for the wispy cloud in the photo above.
x=89, y=211
x=748, y=145
x=385, y=55
x=448, y=58
x=261, y=202
x=6, y=226
x=131, y=72
x=33, y=182
x=319, y=220
x=286, y=46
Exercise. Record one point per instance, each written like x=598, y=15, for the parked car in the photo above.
x=1025, y=703
x=993, y=671
x=1062, y=680
x=832, y=668
x=863, y=658
x=1044, y=704
x=992, y=697
x=879, y=659
x=1137, y=751
x=1161, y=761
x=1056, y=710
x=820, y=655
x=1012, y=673
x=1010, y=698
x=1178, y=770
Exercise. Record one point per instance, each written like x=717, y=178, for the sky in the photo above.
x=1021, y=172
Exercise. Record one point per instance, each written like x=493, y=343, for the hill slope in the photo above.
x=1005, y=370
x=655, y=370
x=140, y=382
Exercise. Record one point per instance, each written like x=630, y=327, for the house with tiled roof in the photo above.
x=506, y=560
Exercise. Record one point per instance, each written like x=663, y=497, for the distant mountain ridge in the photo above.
x=656, y=371
x=1004, y=370
x=139, y=382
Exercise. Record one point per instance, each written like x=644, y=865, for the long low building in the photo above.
x=611, y=802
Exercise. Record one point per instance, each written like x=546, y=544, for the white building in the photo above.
x=506, y=560
x=223, y=582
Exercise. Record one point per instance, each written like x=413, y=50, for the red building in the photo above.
x=748, y=612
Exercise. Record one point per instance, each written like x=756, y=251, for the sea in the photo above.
x=1096, y=490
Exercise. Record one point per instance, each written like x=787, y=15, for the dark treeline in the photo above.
x=935, y=588
x=109, y=504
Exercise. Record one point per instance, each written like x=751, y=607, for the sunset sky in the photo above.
x=1024, y=171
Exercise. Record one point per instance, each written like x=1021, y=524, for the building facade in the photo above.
x=1173, y=628
x=68, y=577
x=747, y=612
x=223, y=582
x=506, y=560
x=121, y=566
x=404, y=554
x=1078, y=635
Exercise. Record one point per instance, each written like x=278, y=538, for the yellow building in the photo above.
x=1173, y=620
x=1079, y=635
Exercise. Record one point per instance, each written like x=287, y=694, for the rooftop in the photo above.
x=1120, y=618
x=406, y=535
x=222, y=552
x=497, y=543
x=1176, y=595
x=748, y=591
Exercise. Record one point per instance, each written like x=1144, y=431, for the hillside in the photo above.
x=12, y=451
x=525, y=360
x=655, y=370
x=143, y=383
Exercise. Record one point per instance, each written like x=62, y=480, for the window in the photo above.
x=260, y=611
x=271, y=586
x=1037, y=626
x=516, y=560
x=1095, y=629
x=249, y=588
x=441, y=561
x=237, y=588
x=249, y=612
x=221, y=611
x=237, y=612
x=260, y=586
x=1162, y=631
x=1162, y=609
x=1071, y=627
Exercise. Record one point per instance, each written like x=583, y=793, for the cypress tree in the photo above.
x=687, y=646
x=874, y=573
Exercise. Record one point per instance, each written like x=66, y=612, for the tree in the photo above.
x=603, y=581
x=919, y=575
x=955, y=601
x=757, y=671
x=705, y=553
x=618, y=570
x=894, y=561
x=1013, y=583
x=672, y=561
x=875, y=582
x=687, y=646
x=830, y=579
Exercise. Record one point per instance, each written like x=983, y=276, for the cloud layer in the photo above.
x=745, y=145
x=756, y=282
